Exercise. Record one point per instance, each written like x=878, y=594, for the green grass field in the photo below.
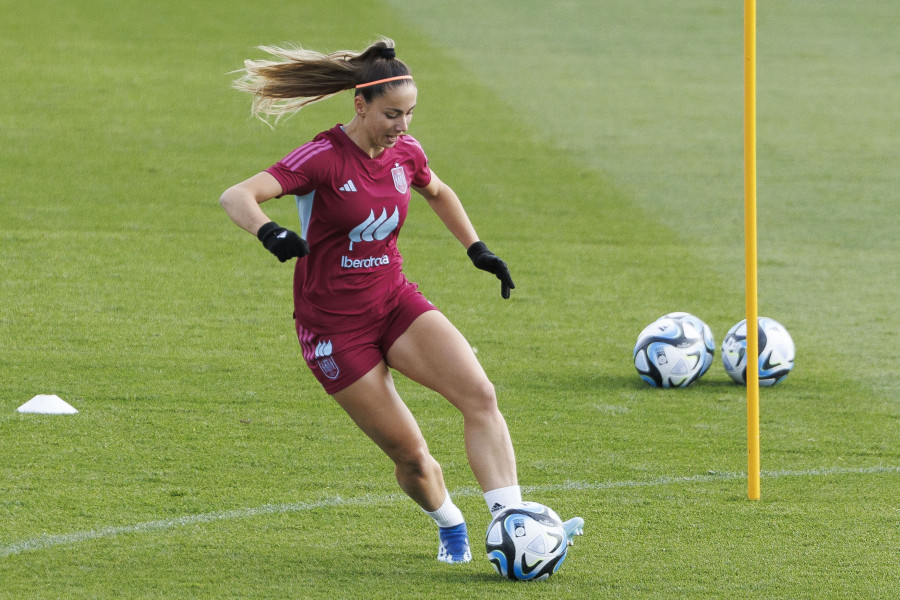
x=598, y=149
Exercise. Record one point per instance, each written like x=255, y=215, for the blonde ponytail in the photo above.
x=298, y=77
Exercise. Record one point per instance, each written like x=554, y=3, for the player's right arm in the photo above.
x=242, y=201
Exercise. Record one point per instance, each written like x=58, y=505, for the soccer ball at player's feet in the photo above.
x=529, y=542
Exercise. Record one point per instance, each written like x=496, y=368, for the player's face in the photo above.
x=388, y=116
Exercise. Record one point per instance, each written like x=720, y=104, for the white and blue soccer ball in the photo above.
x=526, y=542
x=776, y=352
x=674, y=351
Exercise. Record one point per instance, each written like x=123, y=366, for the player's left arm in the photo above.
x=447, y=206
x=445, y=203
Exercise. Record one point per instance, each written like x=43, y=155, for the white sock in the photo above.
x=502, y=498
x=448, y=515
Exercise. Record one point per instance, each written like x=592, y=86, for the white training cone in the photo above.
x=47, y=405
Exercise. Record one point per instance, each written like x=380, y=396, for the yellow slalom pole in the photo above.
x=750, y=249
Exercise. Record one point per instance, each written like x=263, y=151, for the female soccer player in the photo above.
x=356, y=314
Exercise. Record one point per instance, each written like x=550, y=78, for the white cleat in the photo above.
x=573, y=527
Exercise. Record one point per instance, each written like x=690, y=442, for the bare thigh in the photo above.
x=377, y=409
x=435, y=354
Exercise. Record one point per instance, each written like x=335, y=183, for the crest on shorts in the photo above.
x=399, y=176
x=326, y=362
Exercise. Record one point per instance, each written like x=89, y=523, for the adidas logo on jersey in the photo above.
x=348, y=187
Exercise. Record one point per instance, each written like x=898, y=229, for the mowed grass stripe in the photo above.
x=49, y=541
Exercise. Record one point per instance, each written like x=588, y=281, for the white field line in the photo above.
x=49, y=541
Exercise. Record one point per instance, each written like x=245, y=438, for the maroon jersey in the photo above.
x=351, y=210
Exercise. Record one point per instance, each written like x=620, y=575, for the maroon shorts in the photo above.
x=339, y=359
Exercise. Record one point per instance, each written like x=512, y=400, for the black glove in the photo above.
x=283, y=243
x=486, y=260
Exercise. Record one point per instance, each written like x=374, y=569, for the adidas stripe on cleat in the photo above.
x=454, y=546
x=573, y=527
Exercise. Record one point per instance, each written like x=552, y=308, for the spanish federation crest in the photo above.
x=326, y=361
x=399, y=176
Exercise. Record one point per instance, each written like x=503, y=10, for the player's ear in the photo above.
x=359, y=103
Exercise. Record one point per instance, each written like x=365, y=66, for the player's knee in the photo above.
x=481, y=400
x=416, y=462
